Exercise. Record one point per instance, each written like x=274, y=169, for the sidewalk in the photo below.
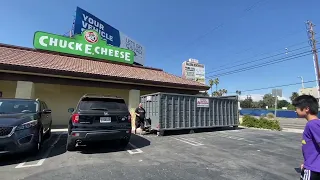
x=59, y=128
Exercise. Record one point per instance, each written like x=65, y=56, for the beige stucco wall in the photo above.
x=60, y=98
x=8, y=88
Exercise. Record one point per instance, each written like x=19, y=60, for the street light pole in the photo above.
x=275, y=105
x=302, y=85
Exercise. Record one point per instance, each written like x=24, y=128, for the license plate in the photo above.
x=105, y=119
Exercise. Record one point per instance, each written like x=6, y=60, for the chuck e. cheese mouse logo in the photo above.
x=91, y=37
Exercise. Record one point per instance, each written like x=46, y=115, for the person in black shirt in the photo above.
x=140, y=115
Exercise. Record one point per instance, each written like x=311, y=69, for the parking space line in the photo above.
x=190, y=141
x=193, y=143
x=225, y=135
x=41, y=161
x=137, y=150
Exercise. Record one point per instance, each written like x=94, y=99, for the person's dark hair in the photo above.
x=305, y=101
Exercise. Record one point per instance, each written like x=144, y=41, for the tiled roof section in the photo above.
x=18, y=56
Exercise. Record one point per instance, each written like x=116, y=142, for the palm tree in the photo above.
x=215, y=93
x=211, y=83
x=238, y=92
x=216, y=82
x=222, y=92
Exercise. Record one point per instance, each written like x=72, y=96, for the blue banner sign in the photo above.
x=86, y=21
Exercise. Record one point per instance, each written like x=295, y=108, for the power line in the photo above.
x=255, y=60
x=223, y=24
x=267, y=53
x=273, y=40
x=277, y=86
x=263, y=64
x=254, y=5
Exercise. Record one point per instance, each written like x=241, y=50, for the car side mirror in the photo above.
x=46, y=111
x=70, y=110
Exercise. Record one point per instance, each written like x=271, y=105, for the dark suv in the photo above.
x=99, y=118
x=23, y=125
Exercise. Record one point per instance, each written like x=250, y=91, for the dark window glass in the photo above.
x=102, y=104
x=17, y=106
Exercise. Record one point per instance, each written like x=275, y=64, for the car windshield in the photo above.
x=17, y=106
x=106, y=104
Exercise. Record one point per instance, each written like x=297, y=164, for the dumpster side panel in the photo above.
x=151, y=105
x=176, y=111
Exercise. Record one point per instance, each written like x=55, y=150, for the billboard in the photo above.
x=88, y=44
x=192, y=70
x=86, y=21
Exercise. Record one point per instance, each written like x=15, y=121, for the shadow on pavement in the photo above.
x=201, y=130
x=298, y=170
x=47, y=151
x=112, y=146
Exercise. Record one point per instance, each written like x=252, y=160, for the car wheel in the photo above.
x=37, y=147
x=40, y=137
x=71, y=145
x=124, y=141
x=48, y=134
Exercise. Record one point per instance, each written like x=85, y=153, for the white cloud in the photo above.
x=258, y=97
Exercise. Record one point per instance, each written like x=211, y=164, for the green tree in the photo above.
x=269, y=100
x=291, y=107
x=223, y=92
x=247, y=103
x=258, y=104
x=211, y=83
x=293, y=96
x=283, y=103
x=215, y=93
x=261, y=104
x=216, y=82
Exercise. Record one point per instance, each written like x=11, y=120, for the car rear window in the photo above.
x=17, y=106
x=102, y=104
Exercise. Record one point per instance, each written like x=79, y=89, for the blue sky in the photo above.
x=170, y=31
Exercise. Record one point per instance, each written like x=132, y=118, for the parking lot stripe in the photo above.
x=137, y=150
x=225, y=135
x=188, y=142
x=191, y=141
x=41, y=161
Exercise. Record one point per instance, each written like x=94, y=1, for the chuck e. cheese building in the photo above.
x=61, y=69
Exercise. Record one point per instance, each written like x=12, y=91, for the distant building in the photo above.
x=192, y=70
x=309, y=91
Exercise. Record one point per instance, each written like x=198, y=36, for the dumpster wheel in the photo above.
x=160, y=133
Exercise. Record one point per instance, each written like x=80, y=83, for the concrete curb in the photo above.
x=299, y=131
x=59, y=130
x=256, y=128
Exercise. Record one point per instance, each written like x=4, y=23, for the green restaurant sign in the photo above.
x=88, y=44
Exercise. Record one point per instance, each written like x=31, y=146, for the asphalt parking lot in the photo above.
x=242, y=154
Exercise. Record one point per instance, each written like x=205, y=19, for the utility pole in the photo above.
x=313, y=42
x=276, y=104
x=302, y=85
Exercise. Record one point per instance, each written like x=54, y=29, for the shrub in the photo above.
x=262, y=115
x=270, y=116
x=263, y=123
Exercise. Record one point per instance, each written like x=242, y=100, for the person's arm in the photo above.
x=314, y=130
x=137, y=112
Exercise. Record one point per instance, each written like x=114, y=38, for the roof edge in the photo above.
x=76, y=75
x=74, y=56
